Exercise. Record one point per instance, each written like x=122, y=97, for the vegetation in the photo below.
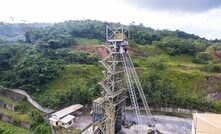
x=172, y=82
x=7, y=100
x=25, y=68
x=75, y=84
x=213, y=68
x=202, y=58
x=21, y=109
x=58, y=61
x=38, y=125
x=6, y=128
x=174, y=46
x=24, y=112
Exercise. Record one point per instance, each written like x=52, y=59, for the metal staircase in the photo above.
x=120, y=77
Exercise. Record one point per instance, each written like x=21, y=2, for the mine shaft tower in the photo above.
x=120, y=79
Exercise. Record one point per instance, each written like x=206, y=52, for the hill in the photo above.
x=15, y=32
x=58, y=65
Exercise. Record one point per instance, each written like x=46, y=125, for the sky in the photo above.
x=200, y=17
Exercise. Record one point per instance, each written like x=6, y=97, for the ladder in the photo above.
x=132, y=81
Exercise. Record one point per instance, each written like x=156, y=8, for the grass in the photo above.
x=187, y=83
x=72, y=75
x=147, y=50
x=181, y=59
x=182, y=63
x=12, y=128
x=7, y=100
x=85, y=41
x=69, y=76
x=188, y=79
x=15, y=115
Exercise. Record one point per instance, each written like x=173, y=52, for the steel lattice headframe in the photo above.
x=120, y=77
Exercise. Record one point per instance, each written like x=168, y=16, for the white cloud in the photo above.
x=178, y=5
x=205, y=24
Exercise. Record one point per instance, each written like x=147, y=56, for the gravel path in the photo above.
x=166, y=124
x=83, y=122
x=173, y=125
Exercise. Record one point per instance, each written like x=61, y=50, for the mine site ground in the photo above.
x=166, y=124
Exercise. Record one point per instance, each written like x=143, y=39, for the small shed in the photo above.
x=97, y=111
x=67, y=121
x=53, y=121
x=206, y=123
x=68, y=110
x=66, y=117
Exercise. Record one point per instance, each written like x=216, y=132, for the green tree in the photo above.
x=202, y=58
x=159, y=92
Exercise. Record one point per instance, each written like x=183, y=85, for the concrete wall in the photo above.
x=12, y=95
x=9, y=119
x=7, y=106
x=17, y=94
x=25, y=125
x=6, y=119
x=175, y=110
x=10, y=107
x=169, y=109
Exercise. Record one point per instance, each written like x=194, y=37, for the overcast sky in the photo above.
x=201, y=17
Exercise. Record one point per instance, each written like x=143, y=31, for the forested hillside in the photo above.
x=15, y=32
x=58, y=64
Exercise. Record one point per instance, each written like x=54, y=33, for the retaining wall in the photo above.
x=168, y=109
x=17, y=94
x=9, y=119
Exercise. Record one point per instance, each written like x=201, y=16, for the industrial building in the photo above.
x=66, y=117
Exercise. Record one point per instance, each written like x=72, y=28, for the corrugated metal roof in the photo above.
x=67, y=118
x=68, y=110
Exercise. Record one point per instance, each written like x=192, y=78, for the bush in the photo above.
x=49, y=38
x=136, y=64
x=7, y=132
x=216, y=47
x=202, y=58
x=157, y=64
x=36, y=118
x=1, y=131
x=21, y=107
x=38, y=125
x=16, y=122
x=31, y=72
x=212, y=68
x=42, y=129
x=159, y=91
x=216, y=106
x=77, y=57
x=174, y=46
